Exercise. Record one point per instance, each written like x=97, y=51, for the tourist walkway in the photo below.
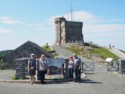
x=119, y=53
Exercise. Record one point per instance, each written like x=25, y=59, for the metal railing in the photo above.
x=87, y=67
x=112, y=66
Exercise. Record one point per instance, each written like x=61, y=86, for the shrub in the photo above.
x=15, y=77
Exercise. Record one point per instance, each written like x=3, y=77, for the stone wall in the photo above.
x=73, y=44
x=21, y=67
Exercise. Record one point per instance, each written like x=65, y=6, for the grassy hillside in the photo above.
x=93, y=53
x=47, y=48
x=75, y=50
x=103, y=52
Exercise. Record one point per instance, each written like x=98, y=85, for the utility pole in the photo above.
x=72, y=12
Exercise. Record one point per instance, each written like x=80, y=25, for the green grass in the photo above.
x=99, y=51
x=46, y=48
x=14, y=77
x=103, y=52
x=49, y=49
x=22, y=78
x=75, y=50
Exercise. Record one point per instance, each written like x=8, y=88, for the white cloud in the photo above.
x=36, y=26
x=8, y=20
x=82, y=16
x=104, y=28
x=93, y=26
x=93, y=23
x=5, y=30
x=86, y=17
x=89, y=18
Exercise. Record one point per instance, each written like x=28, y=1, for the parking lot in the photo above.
x=101, y=82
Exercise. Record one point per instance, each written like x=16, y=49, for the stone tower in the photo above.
x=68, y=32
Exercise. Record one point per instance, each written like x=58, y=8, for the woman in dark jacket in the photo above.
x=32, y=68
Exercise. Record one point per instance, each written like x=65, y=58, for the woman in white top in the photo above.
x=71, y=67
x=42, y=68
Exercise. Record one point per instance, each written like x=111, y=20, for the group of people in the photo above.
x=40, y=66
x=74, y=65
x=34, y=65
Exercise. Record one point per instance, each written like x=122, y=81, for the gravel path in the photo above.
x=117, y=52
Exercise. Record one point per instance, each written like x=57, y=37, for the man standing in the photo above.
x=77, y=68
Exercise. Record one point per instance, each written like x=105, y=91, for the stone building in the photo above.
x=24, y=51
x=68, y=32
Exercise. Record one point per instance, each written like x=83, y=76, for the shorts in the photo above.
x=32, y=72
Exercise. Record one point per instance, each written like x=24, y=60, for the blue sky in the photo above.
x=23, y=20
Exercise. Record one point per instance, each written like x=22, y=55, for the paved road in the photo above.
x=99, y=83
x=7, y=74
x=62, y=51
x=119, y=53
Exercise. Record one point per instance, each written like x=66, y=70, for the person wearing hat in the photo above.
x=42, y=68
x=32, y=68
x=77, y=68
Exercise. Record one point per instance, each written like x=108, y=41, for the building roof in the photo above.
x=25, y=50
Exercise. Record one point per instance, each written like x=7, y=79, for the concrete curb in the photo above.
x=14, y=81
x=27, y=81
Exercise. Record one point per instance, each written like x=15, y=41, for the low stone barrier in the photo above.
x=21, y=65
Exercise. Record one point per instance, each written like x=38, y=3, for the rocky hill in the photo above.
x=92, y=52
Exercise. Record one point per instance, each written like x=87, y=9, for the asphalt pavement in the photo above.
x=101, y=82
